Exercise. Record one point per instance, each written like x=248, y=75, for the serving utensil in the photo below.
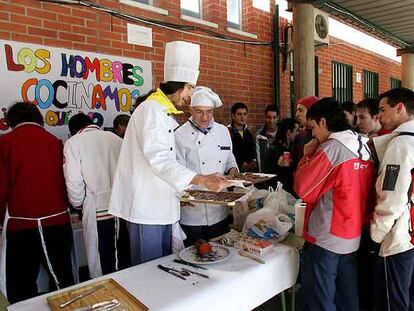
x=168, y=270
x=196, y=273
x=80, y=296
x=247, y=255
x=189, y=264
x=101, y=306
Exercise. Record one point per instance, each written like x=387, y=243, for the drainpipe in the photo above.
x=276, y=61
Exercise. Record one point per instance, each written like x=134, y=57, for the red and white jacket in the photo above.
x=337, y=184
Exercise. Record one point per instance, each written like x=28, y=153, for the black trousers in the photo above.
x=24, y=255
x=194, y=233
x=106, y=244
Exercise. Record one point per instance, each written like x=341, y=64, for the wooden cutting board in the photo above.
x=110, y=290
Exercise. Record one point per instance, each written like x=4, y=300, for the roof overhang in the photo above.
x=389, y=21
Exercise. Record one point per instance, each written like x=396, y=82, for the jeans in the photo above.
x=329, y=280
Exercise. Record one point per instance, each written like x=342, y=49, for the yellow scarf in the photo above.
x=162, y=99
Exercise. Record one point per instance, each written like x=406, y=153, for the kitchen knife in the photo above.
x=100, y=306
x=196, y=273
x=189, y=264
x=80, y=296
x=171, y=272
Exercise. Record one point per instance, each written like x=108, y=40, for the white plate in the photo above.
x=218, y=254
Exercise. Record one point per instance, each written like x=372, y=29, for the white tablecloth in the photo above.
x=236, y=284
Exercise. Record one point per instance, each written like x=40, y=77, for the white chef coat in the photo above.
x=205, y=154
x=148, y=179
x=89, y=166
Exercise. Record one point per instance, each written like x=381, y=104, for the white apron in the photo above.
x=3, y=287
x=90, y=232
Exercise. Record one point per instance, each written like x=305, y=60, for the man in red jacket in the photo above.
x=335, y=179
x=33, y=206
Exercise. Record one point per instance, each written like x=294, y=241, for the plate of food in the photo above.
x=203, y=253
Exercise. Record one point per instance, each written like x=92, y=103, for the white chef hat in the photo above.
x=181, y=62
x=204, y=96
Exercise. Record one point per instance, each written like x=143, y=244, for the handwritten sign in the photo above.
x=64, y=82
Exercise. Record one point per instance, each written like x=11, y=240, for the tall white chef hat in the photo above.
x=181, y=62
x=204, y=96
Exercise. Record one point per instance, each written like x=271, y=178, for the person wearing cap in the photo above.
x=305, y=133
x=148, y=180
x=205, y=147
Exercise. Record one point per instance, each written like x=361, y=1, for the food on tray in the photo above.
x=203, y=247
x=252, y=177
x=214, y=196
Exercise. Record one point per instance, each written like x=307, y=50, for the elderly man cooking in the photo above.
x=204, y=146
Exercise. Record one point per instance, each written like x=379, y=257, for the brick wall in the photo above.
x=238, y=72
x=359, y=59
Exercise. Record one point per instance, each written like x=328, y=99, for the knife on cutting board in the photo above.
x=80, y=296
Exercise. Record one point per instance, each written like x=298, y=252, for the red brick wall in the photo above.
x=237, y=72
x=359, y=59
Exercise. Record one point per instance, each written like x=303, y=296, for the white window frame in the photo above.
x=148, y=7
x=150, y=2
x=238, y=26
x=192, y=13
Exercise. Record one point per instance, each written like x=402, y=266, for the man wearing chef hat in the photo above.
x=205, y=147
x=149, y=179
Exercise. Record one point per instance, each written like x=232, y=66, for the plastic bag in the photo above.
x=280, y=201
x=265, y=224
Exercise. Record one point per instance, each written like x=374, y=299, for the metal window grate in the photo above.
x=342, y=82
x=395, y=83
x=371, y=88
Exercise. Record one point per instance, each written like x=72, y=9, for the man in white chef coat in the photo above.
x=205, y=147
x=148, y=180
x=91, y=155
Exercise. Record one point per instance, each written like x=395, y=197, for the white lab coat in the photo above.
x=204, y=154
x=90, y=162
x=148, y=179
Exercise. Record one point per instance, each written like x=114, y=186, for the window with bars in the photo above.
x=234, y=14
x=192, y=8
x=395, y=83
x=342, y=82
x=371, y=84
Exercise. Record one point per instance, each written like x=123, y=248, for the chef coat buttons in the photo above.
x=219, y=161
x=203, y=163
x=199, y=142
x=192, y=133
x=219, y=146
x=169, y=131
x=171, y=148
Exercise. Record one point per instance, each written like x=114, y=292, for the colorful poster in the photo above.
x=63, y=82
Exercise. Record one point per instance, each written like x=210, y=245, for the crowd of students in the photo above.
x=353, y=170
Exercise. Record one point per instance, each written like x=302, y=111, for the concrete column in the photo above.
x=407, y=70
x=303, y=49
